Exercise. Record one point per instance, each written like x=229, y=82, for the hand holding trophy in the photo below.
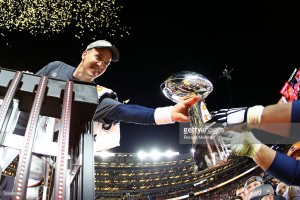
x=181, y=86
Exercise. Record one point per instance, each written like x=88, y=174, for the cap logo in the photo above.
x=54, y=74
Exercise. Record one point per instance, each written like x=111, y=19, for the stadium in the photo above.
x=130, y=176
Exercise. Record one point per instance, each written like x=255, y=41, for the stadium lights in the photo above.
x=142, y=154
x=170, y=153
x=155, y=154
x=104, y=154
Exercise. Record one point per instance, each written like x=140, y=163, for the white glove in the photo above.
x=229, y=116
x=249, y=115
x=242, y=144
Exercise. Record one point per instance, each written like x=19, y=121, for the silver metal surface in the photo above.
x=184, y=84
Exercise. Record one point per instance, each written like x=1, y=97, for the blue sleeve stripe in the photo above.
x=295, y=118
x=131, y=113
x=285, y=169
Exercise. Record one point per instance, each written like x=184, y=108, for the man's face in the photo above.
x=281, y=188
x=250, y=188
x=94, y=63
x=240, y=192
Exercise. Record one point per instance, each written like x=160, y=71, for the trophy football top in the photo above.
x=184, y=84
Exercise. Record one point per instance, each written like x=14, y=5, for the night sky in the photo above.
x=258, y=40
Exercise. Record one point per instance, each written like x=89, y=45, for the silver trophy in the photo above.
x=183, y=85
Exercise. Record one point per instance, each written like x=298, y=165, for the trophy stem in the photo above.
x=218, y=149
x=198, y=115
x=181, y=86
x=195, y=115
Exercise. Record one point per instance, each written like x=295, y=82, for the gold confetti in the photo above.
x=44, y=17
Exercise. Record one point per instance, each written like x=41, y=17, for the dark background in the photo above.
x=258, y=40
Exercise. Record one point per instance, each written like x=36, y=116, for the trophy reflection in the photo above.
x=183, y=85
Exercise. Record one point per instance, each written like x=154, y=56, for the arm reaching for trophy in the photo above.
x=276, y=118
x=242, y=144
x=144, y=115
x=271, y=161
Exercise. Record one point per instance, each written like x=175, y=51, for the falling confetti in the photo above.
x=50, y=17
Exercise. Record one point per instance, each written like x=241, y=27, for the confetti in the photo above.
x=44, y=17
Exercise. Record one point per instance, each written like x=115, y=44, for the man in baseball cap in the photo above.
x=264, y=192
x=105, y=44
x=250, y=184
x=95, y=60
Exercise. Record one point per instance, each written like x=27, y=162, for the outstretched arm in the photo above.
x=277, y=119
x=113, y=110
x=280, y=119
x=278, y=165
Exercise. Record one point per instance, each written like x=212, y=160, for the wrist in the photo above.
x=163, y=115
x=254, y=144
x=248, y=145
x=254, y=116
x=253, y=150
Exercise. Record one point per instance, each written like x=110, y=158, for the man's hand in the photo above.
x=180, y=112
x=242, y=144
